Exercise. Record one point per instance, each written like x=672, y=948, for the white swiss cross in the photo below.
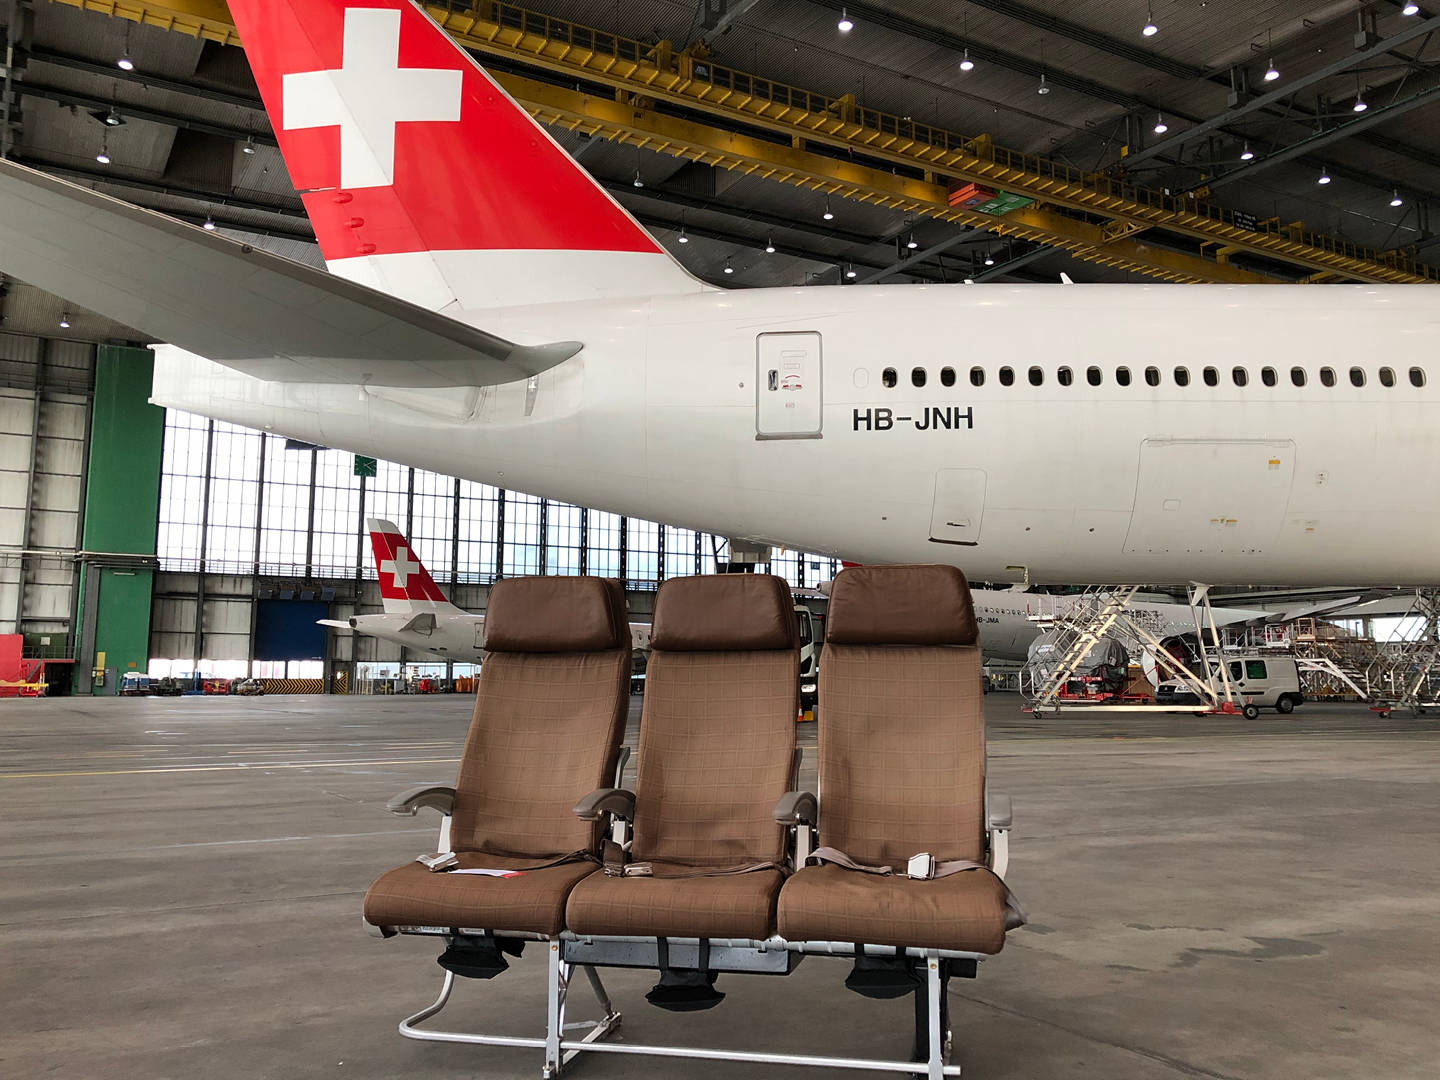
x=400, y=567
x=368, y=95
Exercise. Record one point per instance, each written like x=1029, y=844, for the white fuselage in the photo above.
x=657, y=417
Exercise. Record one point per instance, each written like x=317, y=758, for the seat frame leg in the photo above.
x=934, y=989
x=557, y=995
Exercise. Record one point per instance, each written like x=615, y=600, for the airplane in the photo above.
x=418, y=615
x=491, y=312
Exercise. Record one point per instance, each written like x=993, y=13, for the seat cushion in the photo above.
x=965, y=911
x=411, y=895
x=720, y=906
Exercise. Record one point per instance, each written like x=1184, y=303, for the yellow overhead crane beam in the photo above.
x=640, y=73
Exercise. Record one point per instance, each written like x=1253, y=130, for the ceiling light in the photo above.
x=769, y=246
x=912, y=243
x=113, y=118
x=249, y=147
x=844, y=25
x=1042, y=88
x=829, y=214
x=1359, y=105
x=1395, y=199
x=1272, y=72
x=989, y=259
x=209, y=225
x=1160, y=126
x=728, y=268
x=64, y=321
x=103, y=157
x=1410, y=9
x=1247, y=154
x=850, y=271
x=125, y=63
x=1324, y=176
x=1150, y=29
x=683, y=238
x=638, y=182
x=966, y=64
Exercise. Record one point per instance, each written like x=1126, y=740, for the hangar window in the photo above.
x=1182, y=376
x=1037, y=376
x=1093, y=376
x=1387, y=377
x=1122, y=376
x=1297, y=376
x=1268, y=377
x=1240, y=376
x=1417, y=376
x=1007, y=376
x=947, y=376
x=1327, y=376
x=889, y=378
x=1064, y=376
x=1357, y=376
x=1211, y=376
x=1152, y=376
x=917, y=376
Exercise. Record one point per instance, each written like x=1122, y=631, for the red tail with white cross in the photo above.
x=405, y=584
x=422, y=176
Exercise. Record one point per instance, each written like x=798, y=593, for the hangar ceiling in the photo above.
x=733, y=122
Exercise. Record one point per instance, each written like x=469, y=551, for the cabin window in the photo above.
x=1297, y=376
x=1327, y=376
x=1240, y=376
x=1182, y=376
x=1387, y=377
x=1093, y=376
x=1152, y=376
x=1417, y=376
x=1037, y=376
x=1007, y=376
x=1268, y=376
x=1357, y=376
x=947, y=376
x=1211, y=376
x=1064, y=376
x=1122, y=376
x=917, y=377
x=888, y=377
x=977, y=376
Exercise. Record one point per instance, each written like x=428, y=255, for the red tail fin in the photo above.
x=405, y=584
x=401, y=144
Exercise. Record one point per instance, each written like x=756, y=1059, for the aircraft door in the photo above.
x=787, y=386
x=959, y=506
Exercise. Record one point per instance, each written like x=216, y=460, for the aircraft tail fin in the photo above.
x=405, y=584
x=423, y=177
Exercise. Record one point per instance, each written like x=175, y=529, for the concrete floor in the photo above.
x=180, y=886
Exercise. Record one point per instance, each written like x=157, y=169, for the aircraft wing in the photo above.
x=264, y=315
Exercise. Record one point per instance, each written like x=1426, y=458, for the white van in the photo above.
x=1261, y=682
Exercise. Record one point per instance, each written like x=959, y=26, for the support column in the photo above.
x=122, y=508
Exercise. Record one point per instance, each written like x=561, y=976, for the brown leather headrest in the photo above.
x=556, y=614
x=901, y=605
x=724, y=612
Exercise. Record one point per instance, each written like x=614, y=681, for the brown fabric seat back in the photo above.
x=717, y=734
x=550, y=713
x=902, y=728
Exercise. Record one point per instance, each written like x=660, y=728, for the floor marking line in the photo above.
x=236, y=766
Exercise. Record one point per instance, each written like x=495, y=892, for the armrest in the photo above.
x=998, y=812
x=431, y=796
x=606, y=800
x=797, y=808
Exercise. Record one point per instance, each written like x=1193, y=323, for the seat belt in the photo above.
x=1015, y=915
x=448, y=860
x=616, y=864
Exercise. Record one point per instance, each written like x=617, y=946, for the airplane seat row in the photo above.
x=709, y=865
